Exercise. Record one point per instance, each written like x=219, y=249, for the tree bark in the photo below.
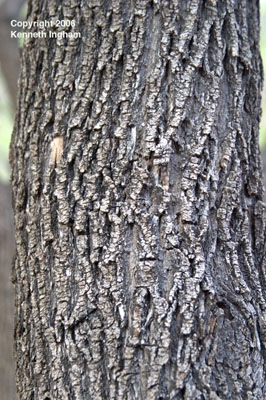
x=140, y=225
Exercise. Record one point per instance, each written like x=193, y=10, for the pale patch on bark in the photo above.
x=56, y=150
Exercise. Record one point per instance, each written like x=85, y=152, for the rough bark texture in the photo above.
x=140, y=226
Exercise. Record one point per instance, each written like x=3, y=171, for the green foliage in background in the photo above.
x=5, y=130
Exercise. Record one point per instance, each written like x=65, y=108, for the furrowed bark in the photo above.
x=140, y=226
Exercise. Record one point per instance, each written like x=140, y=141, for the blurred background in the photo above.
x=9, y=71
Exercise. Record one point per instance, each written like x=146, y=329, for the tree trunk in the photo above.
x=140, y=226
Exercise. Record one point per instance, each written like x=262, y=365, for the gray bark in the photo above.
x=140, y=225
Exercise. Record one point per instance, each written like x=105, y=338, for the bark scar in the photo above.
x=56, y=150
